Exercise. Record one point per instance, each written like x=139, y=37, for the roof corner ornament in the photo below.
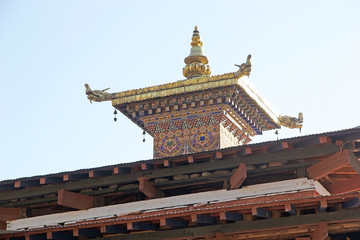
x=97, y=95
x=291, y=122
x=244, y=68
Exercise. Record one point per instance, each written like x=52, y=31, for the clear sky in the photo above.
x=305, y=55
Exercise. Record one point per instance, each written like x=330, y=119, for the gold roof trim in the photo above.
x=182, y=86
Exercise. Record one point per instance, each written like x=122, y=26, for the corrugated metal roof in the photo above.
x=335, y=135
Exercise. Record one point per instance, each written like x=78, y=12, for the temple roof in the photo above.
x=198, y=79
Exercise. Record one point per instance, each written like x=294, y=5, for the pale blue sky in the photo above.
x=306, y=57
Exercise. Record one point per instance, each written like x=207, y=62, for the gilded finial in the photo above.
x=196, y=62
x=196, y=38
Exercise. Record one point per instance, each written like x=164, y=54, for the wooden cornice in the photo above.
x=226, y=163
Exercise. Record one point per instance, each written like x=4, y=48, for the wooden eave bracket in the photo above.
x=238, y=177
x=328, y=165
x=333, y=163
x=147, y=188
x=75, y=200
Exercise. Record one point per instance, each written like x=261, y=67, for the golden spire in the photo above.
x=196, y=62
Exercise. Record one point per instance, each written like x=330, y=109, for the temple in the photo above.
x=206, y=180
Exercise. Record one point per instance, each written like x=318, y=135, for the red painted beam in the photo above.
x=351, y=185
x=7, y=214
x=238, y=177
x=148, y=189
x=328, y=165
x=75, y=200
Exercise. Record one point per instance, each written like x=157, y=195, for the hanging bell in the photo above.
x=115, y=112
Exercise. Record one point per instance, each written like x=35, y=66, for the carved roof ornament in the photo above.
x=291, y=122
x=97, y=95
x=196, y=62
x=244, y=68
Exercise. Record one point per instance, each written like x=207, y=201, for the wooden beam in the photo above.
x=121, y=170
x=278, y=147
x=75, y=200
x=7, y=214
x=238, y=177
x=220, y=236
x=322, y=205
x=320, y=232
x=345, y=186
x=148, y=188
x=64, y=235
x=26, y=183
x=261, y=212
x=231, y=216
x=190, y=159
x=167, y=163
x=328, y=165
x=7, y=187
x=3, y=225
x=113, y=229
x=201, y=218
x=100, y=173
x=49, y=180
x=143, y=226
x=174, y=222
x=244, y=152
x=352, y=203
x=354, y=162
x=218, y=155
x=87, y=232
x=38, y=236
x=123, y=179
x=290, y=208
x=312, y=142
x=75, y=176
x=146, y=166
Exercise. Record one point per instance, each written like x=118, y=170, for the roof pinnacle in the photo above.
x=196, y=62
